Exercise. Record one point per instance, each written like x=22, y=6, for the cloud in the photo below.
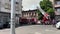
x=30, y=4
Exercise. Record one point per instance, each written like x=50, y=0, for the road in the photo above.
x=33, y=29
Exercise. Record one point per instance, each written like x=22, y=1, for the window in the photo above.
x=7, y=6
x=58, y=2
x=58, y=9
x=17, y=7
x=17, y=3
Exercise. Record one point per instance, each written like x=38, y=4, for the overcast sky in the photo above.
x=30, y=4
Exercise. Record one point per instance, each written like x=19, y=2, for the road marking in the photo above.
x=38, y=33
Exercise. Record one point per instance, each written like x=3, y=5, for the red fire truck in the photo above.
x=46, y=17
x=27, y=21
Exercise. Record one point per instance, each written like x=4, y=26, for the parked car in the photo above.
x=1, y=25
x=9, y=24
x=5, y=25
x=58, y=25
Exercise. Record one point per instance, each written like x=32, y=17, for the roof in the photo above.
x=30, y=10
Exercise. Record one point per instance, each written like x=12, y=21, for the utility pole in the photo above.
x=12, y=17
x=0, y=5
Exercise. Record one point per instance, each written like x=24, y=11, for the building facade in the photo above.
x=30, y=14
x=56, y=6
x=5, y=10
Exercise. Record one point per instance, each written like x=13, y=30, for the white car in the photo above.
x=58, y=25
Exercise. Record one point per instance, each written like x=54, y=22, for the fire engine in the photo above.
x=46, y=16
x=27, y=21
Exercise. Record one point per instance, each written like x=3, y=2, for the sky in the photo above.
x=30, y=4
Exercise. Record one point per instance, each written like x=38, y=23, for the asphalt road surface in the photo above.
x=33, y=29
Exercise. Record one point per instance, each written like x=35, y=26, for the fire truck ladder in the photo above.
x=43, y=12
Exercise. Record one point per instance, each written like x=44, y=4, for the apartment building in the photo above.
x=56, y=5
x=5, y=10
x=30, y=14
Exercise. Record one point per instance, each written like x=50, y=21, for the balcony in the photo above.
x=56, y=5
x=57, y=13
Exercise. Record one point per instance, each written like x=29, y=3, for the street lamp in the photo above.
x=12, y=17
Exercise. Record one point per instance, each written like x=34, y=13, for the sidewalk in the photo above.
x=18, y=30
x=33, y=29
x=5, y=31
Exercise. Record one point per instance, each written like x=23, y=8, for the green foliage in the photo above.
x=50, y=10
x=39, y=15
x=47, y=6
x=51, y=13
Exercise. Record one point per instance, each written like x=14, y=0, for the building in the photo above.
x=30, y=14
x=56, y=6
x=5, y=10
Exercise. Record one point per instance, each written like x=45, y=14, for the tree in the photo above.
x=39, y=15
x=51, y=13
x=47, y=6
